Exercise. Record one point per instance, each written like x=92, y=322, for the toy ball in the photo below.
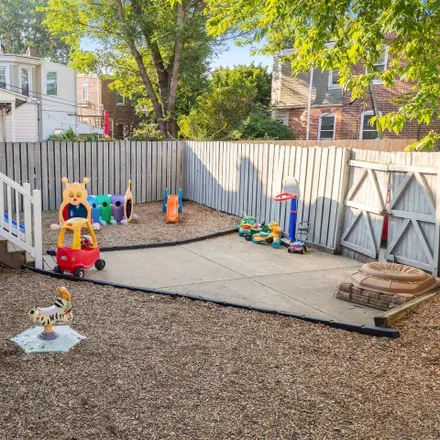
x=96, y=226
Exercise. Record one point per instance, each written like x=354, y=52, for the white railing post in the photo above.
x=38, y=239
x=27, y=210
x=2, y=205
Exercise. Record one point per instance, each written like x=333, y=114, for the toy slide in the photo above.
x=172, y=206
x=172, y=214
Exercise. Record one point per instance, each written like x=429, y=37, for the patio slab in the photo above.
x=234, y=270
x=254, y=260
x=251, y=293
x=160, y=267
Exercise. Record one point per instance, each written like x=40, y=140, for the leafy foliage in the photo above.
x=233, y=95
x=360, y=31
x=258, y=126
x=156, y=50
x=21, y=27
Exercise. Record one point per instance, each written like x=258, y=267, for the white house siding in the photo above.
x=26, y=118
x=58, y=112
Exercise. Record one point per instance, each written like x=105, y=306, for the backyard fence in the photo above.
x=345, y=193
x=152, y=166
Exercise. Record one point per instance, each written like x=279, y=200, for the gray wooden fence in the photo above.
x=152, y=166
x=345, y=193
x=238, y=178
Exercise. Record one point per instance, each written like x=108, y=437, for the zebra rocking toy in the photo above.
x=59, y=312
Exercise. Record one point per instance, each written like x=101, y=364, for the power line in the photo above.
x=42, y=97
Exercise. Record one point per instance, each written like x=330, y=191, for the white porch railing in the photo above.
x=20, y=217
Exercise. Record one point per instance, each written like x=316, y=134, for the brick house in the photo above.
x=94, y=97
x=334, y=115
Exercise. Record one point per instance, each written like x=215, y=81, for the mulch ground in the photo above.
x=194, y=221
x=157, y=368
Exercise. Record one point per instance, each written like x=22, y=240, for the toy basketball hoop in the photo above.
x=284, y=197
x=290, y=192
x=291, y=185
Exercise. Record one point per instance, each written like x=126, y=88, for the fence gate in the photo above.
x=413, y=234
x=364, y=209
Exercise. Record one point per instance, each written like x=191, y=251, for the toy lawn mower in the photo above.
x=302, y=233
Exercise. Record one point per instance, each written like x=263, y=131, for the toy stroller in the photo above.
x=302, y=233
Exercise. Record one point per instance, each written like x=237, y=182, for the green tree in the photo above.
x=360, y=31
x=233, y=95
x=21, y=26
x=259, y=126
x=147, y=45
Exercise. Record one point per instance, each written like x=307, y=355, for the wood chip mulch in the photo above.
x=195, y=220
x=157, y=368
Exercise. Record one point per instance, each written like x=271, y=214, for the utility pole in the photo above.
x=309, y=104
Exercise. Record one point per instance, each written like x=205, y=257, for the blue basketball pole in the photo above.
x=292, y=223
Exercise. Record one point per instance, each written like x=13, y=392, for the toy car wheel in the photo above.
x=100, y=264
x=290, y=250
x=270, y=240
x=79, y=273
x=304, y=249
x=247, y=237
x=57, y=269
x=276, y=244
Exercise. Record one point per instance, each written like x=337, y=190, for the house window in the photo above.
x=85, y=93
x=120, y=100
x=51, y=83
x=333, y=79
x=326, y=127
x=367, y=131
x=4, y=77
x=381, y=65
x=25, y=81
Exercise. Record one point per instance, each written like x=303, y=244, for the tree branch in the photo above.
x=142, y=70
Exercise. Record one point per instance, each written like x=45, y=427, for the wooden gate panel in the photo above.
x=413, y=232
x=364, y=210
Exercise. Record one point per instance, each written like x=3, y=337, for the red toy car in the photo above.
x=84, y=252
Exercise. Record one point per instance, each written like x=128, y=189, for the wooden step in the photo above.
x=13, y=257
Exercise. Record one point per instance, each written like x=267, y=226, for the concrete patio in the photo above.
x=232, y=269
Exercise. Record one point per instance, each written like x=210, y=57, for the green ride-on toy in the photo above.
x=247, y=222
x=272, y=237
x=249, y=233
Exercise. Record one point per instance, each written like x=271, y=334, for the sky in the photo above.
x=240, y=55
x=232, y=56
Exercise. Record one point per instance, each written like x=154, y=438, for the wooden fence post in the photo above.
x=345, y=178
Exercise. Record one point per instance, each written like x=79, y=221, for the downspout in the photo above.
x=375, y=106
x=309, y=104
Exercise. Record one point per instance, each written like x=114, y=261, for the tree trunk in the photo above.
x=142, y=70
x=174, y=77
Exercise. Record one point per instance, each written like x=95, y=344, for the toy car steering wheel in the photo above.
x=284, y=197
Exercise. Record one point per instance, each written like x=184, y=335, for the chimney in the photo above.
x=32, y=52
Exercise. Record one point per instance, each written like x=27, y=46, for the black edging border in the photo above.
x=158, y=244
x=366, y=330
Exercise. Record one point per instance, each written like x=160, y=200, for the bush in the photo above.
x=147, y=132
x=68, y=135
x=258, y=126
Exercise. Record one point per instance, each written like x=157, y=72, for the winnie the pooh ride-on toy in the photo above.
x=273, y=236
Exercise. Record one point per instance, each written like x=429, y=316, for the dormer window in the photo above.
x=333, y=79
